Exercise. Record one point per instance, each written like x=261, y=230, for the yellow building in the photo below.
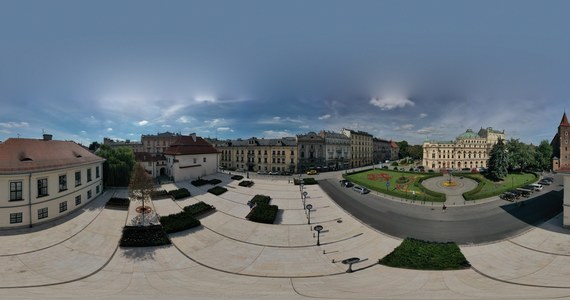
x=362, y=148
x=470, y=150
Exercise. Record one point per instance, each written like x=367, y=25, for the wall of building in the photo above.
x=54, y=196
x=189, y=167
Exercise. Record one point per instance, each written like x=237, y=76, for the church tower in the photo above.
x=561, y=147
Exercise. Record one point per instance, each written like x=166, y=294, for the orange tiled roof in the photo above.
x=564, y=121
x=32, y=155
x=188, y=145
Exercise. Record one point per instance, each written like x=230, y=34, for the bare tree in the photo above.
x=140, y=187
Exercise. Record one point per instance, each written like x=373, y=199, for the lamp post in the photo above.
x=304, y=197
x=318, y=228
x=309, y=207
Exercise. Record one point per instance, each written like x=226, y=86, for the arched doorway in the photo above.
x=162, y=171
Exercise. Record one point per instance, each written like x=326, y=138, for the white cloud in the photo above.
x=83, y=132
x=204, y=98
x=404, y=127
x=5, y=131
x=165, y=126
x=280, y=120
x=216, y=122
x=14, y=124
x=109, y=129
x=391, y=102
x=184, y=119
x=142, y=123
x=327, y=116
x=225, y=129
x=272, y=134
x=304, y=126
x=423, y=115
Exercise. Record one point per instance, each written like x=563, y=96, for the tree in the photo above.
x=416, y=152
x=498, y=161
x=141, y=187
x=543, y=156
x=521, y=156
x=118, y=166
x=403, y=149
x=94, y=146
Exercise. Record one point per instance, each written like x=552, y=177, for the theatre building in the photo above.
x=43, y=179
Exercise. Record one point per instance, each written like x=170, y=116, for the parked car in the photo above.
x=273, y=173
x=545, y=182
x=361, y=189
x=346, y=183
x=261, y=172
x=312, y=172
x=536, y=186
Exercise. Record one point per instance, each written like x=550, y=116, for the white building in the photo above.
x=42, y=180
x=338, y=150
x=190, y=157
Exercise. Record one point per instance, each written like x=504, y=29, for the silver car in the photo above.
x=361, y=189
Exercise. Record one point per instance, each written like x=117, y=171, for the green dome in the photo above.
x=469, y=134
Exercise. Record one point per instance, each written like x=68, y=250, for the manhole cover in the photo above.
x=339, y=221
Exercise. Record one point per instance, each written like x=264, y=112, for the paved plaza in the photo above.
x=231, y=257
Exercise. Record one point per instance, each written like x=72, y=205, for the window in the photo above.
x=78, y=178
x=97, y=172
x=194, y=160
x=42, y=213
x=204, y=159
x=15, y=190
x=15, y=218
x=62, y=206
x=97, y=189
x=89, y=194
x=42, y=187
x=77, y=200
x=62, y=182
x=89, y=175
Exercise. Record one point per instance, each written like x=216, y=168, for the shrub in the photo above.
x=246, y=183
x=118, y=203
x=261, y=199
x=144, y=236
x=263, y=213
x=394, y=164
x=199, y=182
x=198, y=208
x=214, y=181
x=217, y=190
x=421, y=255
x=402, y=180
x=160, y=194
x=180, y=193
x=178, y=222
x=237, y=177
x=385, y=167
x=306, y=181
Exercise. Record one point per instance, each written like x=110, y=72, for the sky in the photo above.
x=401, y=70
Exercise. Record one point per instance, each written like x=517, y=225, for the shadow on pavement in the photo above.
x=537, y=210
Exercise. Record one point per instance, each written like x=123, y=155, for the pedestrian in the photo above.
x=444, y=207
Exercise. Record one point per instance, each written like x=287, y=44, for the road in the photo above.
x=481, y=223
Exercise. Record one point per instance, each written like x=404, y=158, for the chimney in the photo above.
x=47, y=137
x=193, y=135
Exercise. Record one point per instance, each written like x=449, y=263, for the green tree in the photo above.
x=140, y=187
x=521, y=156
x=403, y=149
x=94, y=146
x=118, y=166
x=498, y=161
x=416, y=152
x=543, y=156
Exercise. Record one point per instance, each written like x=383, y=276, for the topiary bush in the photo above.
x=263, y=213
x=237, y=177
x=144, y=236
x=199, y=182
x=421, y=255
x=198, y=208
x=246, y=183
x=180, y=193
x=217, y=190
x=178, y=222
x=261, y=199
x=214, y=181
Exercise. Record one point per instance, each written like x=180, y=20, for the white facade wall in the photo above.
x=186, y=167
x=29, y=205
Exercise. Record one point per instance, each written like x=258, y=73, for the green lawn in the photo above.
x=420, y=255
x=401, y=184
x=488, y=188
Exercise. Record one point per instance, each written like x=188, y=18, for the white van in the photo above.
x=536, y=186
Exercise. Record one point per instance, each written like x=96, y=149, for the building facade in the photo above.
x=190, y=157
x=338, y=150
x=560, y=147
x=42, y=180
x=135, y=146
x=469, y=150
x=361, y=147
x=311, y=148
x=154, y=163
x=384, y=150
x=254, y=155
x=157, y=143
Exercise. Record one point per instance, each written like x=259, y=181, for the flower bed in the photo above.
x=217, y=190
x=144, y=236
x=421, y=255
x=263, y=213
x=200, y=182
x=180, y=193
x=246, y=183
x=118, y=203
x=237, y=177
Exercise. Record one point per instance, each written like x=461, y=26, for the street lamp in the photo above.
x=304, y=197
x=318, y=228
x=309, y=207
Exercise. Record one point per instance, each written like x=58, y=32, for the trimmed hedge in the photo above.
x=180, y=193
x=422, y=255
x=306, y=181
x=144, y=236
x=263, y=213
x=214, y=181
x=237, y=177
x=217, y=190
x=199, y=182
x=261, y=199
x=246, y=183
x=160, y=194
x=118, y=203
x=198, y=208
x=178, y=222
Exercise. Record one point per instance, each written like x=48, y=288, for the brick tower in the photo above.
x=561, y=147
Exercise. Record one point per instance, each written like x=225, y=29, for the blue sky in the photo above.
x=403, y=70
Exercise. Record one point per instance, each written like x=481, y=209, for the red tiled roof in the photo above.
x=147, y=156
x=393, y=144
x=31, y=155
x=189, y=145
x=564, y=121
